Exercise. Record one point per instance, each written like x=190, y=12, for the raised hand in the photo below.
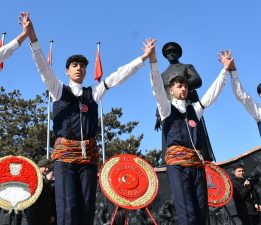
x=24, y=21
x=226, y=60
x=149, y=49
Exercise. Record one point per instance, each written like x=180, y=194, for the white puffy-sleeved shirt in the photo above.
x=8, y=49
x=164, y=105
x=248, y=102
x=55, y=86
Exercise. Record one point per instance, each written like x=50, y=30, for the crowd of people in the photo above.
x=75, y=125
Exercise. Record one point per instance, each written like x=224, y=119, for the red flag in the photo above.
x=98, y=66
x=49, y=59
x=1, y=63
x=50, y=54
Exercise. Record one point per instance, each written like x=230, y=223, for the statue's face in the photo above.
x=172, y=54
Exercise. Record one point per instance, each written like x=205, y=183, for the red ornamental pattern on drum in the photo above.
x=128, y=181
x=219, y=185
x=21, y=183
x=27, y=173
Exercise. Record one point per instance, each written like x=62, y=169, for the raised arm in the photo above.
x=242, y=96
x=8, y=49
x=217, y=86
x=123, y=72
x=194, y=80
x=163, y=104
x=215, y=89
x=49, y=78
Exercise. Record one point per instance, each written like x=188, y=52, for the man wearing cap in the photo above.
x=245, y=197
x=185, y=164
x=172, y=51
x=42, y=211
x=248, y=102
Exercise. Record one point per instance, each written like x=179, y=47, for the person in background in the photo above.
x=41, y=212
x=245, y=196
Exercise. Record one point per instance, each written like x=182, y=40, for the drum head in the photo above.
x=220, y=189
x=21, y=183
x=128, y=181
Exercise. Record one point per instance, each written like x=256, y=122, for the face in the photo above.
x=179, y=91
x=76, y=72
x=239, y=172
x=44, y=169
x=172, y=54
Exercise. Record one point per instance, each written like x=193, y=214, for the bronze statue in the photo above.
x=172, y=52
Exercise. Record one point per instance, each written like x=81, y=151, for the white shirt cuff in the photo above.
x=35, y=46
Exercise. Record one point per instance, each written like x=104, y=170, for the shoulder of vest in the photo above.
x=87, y=93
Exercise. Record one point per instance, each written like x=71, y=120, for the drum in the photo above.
x=220, y=189
x=128, y=181
x=21, y=183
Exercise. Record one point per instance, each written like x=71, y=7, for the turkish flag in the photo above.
x=49, y=59
x=98, y=66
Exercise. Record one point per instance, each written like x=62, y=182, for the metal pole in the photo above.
x=102, y=134
x=3, y=37
x=49, y=106
x=102, y=126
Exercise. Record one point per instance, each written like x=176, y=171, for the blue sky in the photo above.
x=201, y=27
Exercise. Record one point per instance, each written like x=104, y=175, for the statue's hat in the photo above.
x=176, y=45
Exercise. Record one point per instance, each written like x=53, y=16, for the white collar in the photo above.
x=180, y=104
x=76, y=88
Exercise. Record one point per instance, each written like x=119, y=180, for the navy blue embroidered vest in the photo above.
x=175, y=130
x=66, y=115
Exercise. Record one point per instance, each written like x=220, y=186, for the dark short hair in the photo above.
x=258, y=89
x=236, y=166
x=76, y=58
x=178, y=79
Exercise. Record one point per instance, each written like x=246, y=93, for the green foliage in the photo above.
x=115, y=143
x=23, y=125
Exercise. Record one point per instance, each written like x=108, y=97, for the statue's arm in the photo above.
x=193, y=77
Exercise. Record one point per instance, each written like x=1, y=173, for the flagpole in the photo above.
x=102, y=133
x=3, y=37
x=102, y=126
x=49, y=105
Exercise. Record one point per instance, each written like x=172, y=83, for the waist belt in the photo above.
x=70, y=151
x=182, y=156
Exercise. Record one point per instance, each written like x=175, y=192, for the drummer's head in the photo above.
x=238, y=170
